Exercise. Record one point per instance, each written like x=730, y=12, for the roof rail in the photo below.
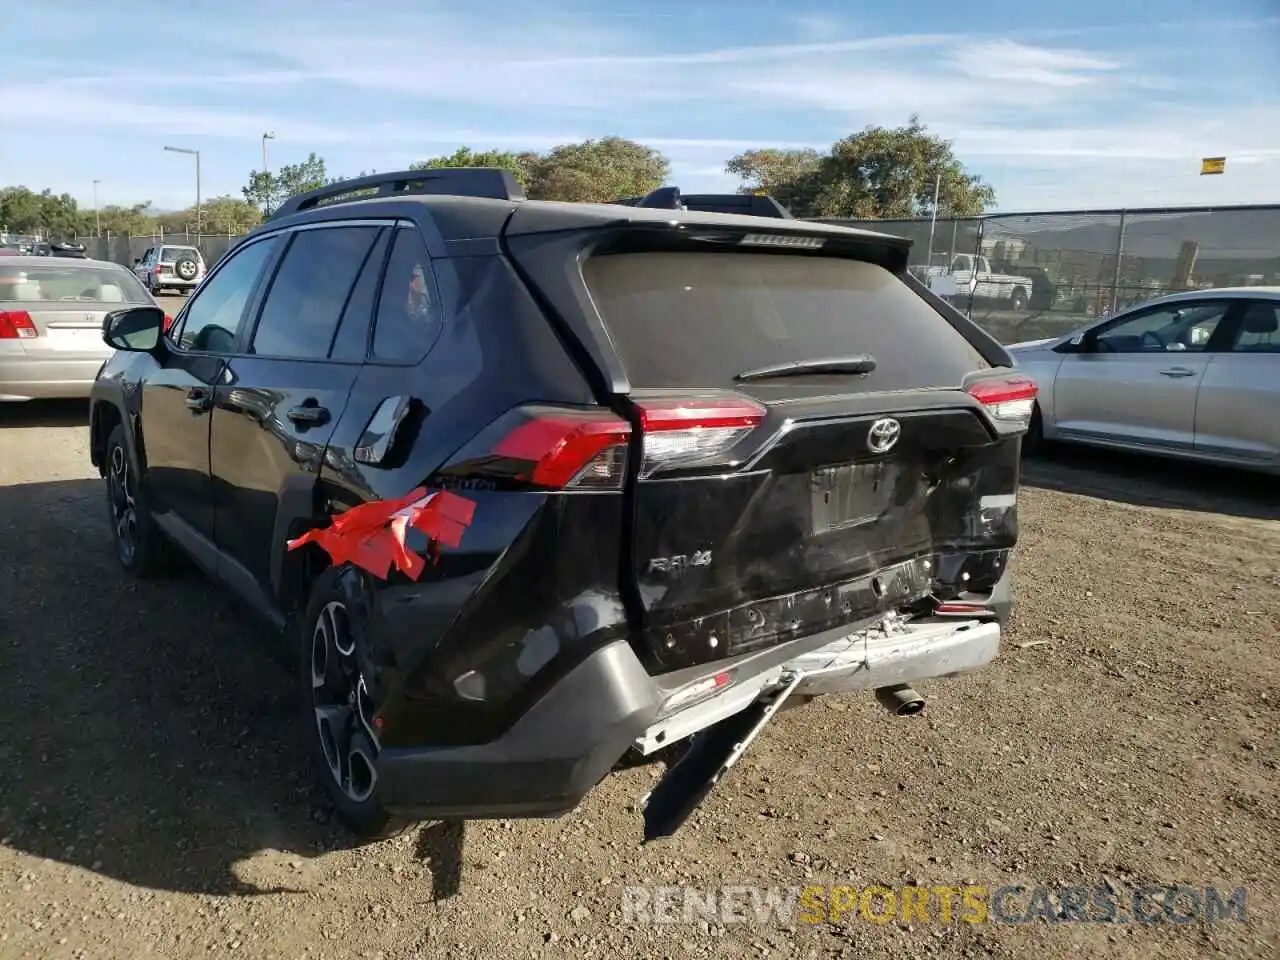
x=491, y=182
x=670, y=198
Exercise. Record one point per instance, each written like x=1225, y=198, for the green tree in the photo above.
x=136, y=220
x=878, y=173
x=221, y=215
x=789, y=176
x=597, y=171
x=520, y=164
x=25, y=211
x=267, y=190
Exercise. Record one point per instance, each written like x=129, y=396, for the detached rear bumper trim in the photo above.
x=889, y=653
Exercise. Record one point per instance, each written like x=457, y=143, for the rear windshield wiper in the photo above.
x=857, y=364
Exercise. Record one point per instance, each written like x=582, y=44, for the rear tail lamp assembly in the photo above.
x=17, y=325
x=557, y=448
x=1008, y=399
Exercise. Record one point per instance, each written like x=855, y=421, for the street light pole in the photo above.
x=97, y=217
x=266, y=174
x=196, y=154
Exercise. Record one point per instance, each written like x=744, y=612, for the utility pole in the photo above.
x=266, y=173
x=196, y=154
x=97, y=217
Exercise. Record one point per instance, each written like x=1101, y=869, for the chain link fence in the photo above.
x=1030, y=275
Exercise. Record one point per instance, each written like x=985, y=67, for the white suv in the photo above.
x=170, y=267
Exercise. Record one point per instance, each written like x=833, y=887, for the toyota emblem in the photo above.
x=883, y=435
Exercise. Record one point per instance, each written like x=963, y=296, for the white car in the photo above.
x=1193, y=375
x=170, y=267
x=51, y=313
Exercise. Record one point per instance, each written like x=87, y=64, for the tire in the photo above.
x=1018, y=299
x=140, y=546
x=186, y=268
x=342, y=744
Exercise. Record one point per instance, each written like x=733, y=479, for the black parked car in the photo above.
x=685, y=465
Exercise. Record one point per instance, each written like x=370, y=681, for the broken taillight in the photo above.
x=1009, y=399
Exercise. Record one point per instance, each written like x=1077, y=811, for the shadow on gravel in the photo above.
x=149, y=734
x=1150, y=481
x=44, y=413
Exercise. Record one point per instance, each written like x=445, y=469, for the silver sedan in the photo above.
x=51, y=312
x=1194, y=375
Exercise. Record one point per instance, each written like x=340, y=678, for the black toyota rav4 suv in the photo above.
x=695, y=465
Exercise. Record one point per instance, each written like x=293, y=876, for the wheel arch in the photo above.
x=302, y=504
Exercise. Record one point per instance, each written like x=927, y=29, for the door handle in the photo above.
x=309, y=414
x=197, y=399
x=1177, y=372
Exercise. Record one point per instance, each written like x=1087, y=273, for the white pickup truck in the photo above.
x=973, y=275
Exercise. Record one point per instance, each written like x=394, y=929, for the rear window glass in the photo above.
x=174, y=254
x=698, y=319
x=70, y=284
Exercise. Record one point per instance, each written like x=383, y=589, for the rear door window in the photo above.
x=409, y=315
x=351, y=342
x=699, y=319
x=310, y=291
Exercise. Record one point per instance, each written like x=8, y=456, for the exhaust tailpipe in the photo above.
x=900, y=700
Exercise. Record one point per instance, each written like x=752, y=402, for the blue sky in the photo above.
x=1065, y=105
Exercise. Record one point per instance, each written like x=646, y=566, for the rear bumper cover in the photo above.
x=40, y=377
x=571, y=738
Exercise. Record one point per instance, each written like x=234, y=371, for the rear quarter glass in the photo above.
x=693, y=319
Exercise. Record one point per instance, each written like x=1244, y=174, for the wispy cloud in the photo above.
x=1008, y=61
x=410, y=82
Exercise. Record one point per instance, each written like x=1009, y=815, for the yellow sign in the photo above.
x=1213, y=165
x=761, y=193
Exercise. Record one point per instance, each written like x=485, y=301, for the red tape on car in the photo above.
x=372, y=535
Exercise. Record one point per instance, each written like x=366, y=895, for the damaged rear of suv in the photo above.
x=711, y=464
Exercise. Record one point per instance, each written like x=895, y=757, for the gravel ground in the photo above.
x=153, y=803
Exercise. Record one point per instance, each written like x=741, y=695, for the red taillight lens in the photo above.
x=561, y=448
x=1009, y=399
x=576, y=449
x=683, y=431
x=17, y=325
x=168, y=323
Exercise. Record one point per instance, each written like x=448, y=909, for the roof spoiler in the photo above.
x=746, y=204
x=491, y=182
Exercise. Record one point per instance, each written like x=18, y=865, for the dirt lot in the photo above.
x=152, y=802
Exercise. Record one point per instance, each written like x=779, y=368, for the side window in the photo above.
x=351, y=342
x=306, y=299
x=409, y=317
x=1259, y=330
x=960, y=264
x=1172, y=328
x=213, y=317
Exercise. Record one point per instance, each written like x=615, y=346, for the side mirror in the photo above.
x=137, y=329
x=136, y=261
